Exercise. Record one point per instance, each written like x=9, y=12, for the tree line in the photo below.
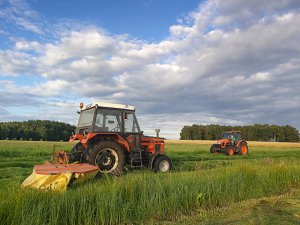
x=36, y=130
x=256, y=132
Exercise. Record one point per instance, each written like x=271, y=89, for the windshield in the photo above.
x=232, y=136
x=86, y=118
x=228, y=136
x=108, y=120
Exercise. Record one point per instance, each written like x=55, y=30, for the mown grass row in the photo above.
x=145, y=197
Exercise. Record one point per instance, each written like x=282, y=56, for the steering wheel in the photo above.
x=116, y=128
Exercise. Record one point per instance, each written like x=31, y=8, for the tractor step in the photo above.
x=136, y=159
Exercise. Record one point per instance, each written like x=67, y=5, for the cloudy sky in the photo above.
x=179, y=62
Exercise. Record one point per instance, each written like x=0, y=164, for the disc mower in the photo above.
x=230, y=144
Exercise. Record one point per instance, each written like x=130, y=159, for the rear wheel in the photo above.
x=162, y=164
x=243, y=149
x=108, y=156
x=229, y=151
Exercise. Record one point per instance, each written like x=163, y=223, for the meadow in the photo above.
x=262, y=187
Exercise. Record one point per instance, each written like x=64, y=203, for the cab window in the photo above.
x=86, y=118
x=108, y=120
x=130, y=123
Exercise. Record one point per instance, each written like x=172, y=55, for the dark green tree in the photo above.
x=256, y=132
x=36, y=130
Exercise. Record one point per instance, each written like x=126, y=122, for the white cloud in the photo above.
x=20, y=13
x=260, y=77
x=25, y=45
x=232, y=62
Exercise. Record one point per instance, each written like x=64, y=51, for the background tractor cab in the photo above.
x=110, y=137
x=230, y=144
x=233, y=136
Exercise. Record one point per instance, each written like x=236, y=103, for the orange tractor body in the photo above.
x=230, y=144
x=110, y=137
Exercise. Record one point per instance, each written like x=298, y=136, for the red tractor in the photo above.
x=110, y=138
x=230, y=144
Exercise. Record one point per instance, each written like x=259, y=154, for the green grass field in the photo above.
x=260, y=188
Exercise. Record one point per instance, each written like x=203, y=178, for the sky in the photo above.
x=179, y=62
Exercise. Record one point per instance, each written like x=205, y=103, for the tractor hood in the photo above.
x=223, y=142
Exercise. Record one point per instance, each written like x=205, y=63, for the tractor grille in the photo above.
x=217, y=146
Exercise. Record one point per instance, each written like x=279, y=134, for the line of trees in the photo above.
x=256, y=132
x=35, y=130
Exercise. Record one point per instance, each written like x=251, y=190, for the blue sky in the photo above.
x=143, y=19
x=148, y=20
x=179, y=62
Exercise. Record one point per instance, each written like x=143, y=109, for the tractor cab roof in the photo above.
x=108, y=105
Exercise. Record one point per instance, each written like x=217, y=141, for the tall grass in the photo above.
x=199, y=181
x=142, y=196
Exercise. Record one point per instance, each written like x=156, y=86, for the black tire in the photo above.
x=108, y=156
x=243, y=148
x=212, y=150
x=76, y=153
x=162, y=164
x=229, y=150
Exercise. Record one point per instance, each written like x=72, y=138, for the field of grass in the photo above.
x=260, y=188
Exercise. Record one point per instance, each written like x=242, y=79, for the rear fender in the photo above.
x=94, y=137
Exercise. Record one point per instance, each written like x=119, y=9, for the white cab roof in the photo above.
x=109, y=105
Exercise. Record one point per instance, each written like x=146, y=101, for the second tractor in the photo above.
x=230, y=144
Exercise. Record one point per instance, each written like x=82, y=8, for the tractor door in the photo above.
x=132, y=130
x=237, y=137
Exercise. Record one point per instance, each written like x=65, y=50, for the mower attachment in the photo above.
x=57, y=177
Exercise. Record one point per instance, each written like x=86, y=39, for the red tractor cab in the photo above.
x=230, y=144
x=110, y=137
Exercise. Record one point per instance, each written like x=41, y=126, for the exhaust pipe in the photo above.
x=157, y=132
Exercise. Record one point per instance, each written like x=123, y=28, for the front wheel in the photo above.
x=108, y=156
x=162, y=164
x=229, y=151
x=243, y=149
